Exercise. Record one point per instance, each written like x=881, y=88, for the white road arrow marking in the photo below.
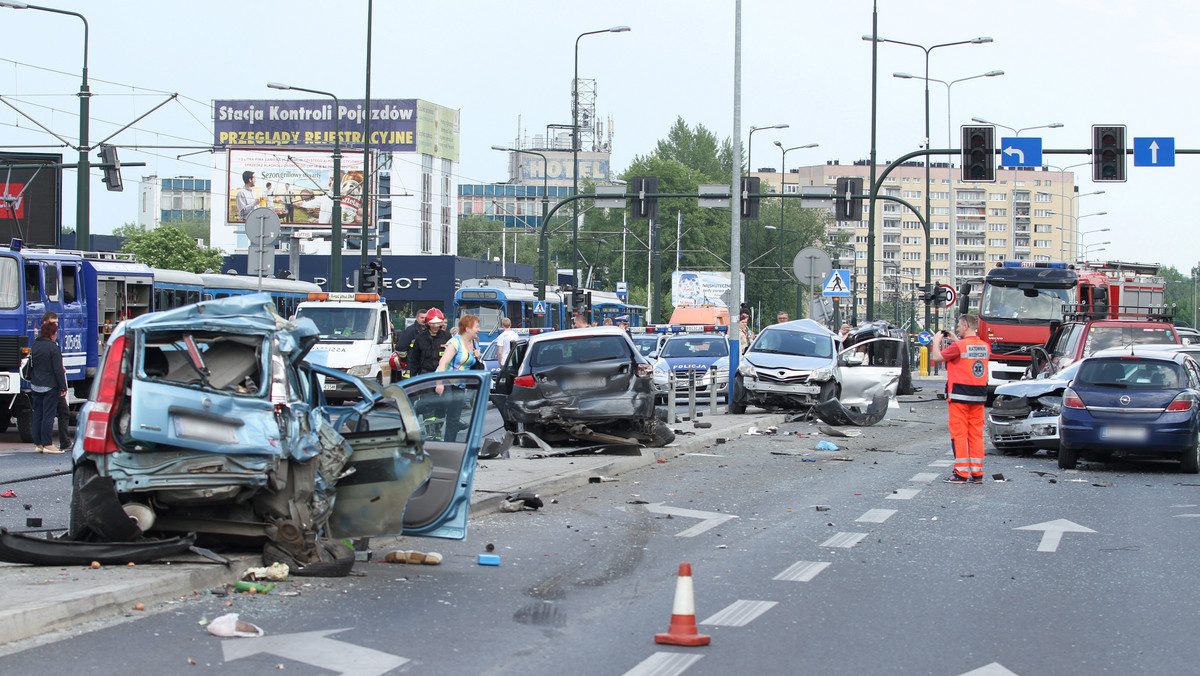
x=993, y=669
x=1016, y=151
x=1154, y=152
x=313, y=648
x=1053, y=532
x=707, y=519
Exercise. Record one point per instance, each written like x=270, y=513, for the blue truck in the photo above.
x=90, y=292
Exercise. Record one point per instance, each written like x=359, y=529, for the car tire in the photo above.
x=336, y=560
x=95, y=510
x=1189, y=462
x=737, y=404
x=661, y=434
x=1067, y=457
x=24, y=418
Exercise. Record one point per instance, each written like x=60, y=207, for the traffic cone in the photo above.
x=683, y=614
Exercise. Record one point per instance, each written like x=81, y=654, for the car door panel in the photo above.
x=861, y=383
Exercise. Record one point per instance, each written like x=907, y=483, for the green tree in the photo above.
x=480, y=237
x=1180, y=292
x=168, y=247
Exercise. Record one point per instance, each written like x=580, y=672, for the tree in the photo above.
x=168, y=247
x=479, y=237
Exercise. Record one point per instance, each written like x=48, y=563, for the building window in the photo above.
x=1041, y=228
x=998, y=227
x=1041, y=244
x=1042, y=197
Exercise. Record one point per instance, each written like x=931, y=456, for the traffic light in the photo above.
x=979, y=154
x=1108, y=153
x=112, y=172
x=847, y=207
x=750, y=186
x=641, y=207
x=368, y=278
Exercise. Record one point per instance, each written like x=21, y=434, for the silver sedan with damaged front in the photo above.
x=797, y=366
x=1023, y=418
x=207, y=419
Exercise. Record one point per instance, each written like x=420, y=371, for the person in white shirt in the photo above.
x=504, y=340
x=246, y=199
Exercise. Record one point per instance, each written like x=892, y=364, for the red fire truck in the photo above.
x=1018, y=301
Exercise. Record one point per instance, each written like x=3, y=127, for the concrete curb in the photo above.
x=484, y=504
x=92, y=602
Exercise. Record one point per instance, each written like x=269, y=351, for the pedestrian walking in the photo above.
x=505, y=340
x=48, y=383
x=966, y=389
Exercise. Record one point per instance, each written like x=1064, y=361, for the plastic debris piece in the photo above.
x=822, y=508
x=10, y=493
x=413, y=556
x=600, y=479
x=252, y=587
x=229, y=626
x=512, y=506
x=823, y=445
x=489, y=559
x=276, y=572
x=753, y=431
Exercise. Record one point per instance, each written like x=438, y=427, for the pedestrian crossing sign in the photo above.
x=838, y=284
x=539, y=308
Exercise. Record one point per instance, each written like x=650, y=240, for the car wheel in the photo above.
x=335, y=560
x=25, y=425
x=1067, y=457
x=96, y=510
x=737, y=405
x=661, y=434
x=1189, y=462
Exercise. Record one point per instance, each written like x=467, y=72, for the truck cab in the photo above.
x=356, y=338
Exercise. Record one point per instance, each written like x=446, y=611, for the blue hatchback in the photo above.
x=1132, y=402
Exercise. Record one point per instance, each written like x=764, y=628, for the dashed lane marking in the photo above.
x=844, y=540
x=802, y=571
x=664, y=664
x=925, y=477
x=904, y=494
x=740, y=613
x=876, y=515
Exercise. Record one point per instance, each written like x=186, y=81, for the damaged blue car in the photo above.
x=206, y=419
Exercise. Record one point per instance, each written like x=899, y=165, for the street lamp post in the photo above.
x=750, y=143
x=1074, y=228
x=782, y=202
x=83, y=194
x=1086, y=247
x=575, y=149
x=1062, y=196
x=1075, y=241
x=335, y=248
x=928, y=160
x=543, y=240
x=1016, y=131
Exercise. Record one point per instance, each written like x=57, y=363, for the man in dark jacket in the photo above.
x=63, y=413
x=428, y=345
x=404, y=344
x=48, y=384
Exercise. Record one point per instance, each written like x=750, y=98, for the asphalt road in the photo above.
x=858, y=560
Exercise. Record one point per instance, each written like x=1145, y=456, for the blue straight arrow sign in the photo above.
x=1154, y=151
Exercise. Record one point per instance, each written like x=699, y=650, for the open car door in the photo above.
x=870, y=368
x=414, y=456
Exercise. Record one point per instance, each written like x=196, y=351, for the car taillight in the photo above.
x=645, y=371
x=524, y=381
x=1182, y=402
x=1072, y=400
x=97, y=435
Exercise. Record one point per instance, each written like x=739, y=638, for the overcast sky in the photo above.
x=508, y=66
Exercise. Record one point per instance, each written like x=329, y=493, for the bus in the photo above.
x=494, y=298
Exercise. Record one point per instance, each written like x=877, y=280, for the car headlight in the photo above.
x=363, y=370
x=821, y=375
x=661, y=368
x=721, y=364
x=4, y=381
x=746, y=369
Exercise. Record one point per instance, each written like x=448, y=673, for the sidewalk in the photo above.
x=40, y=599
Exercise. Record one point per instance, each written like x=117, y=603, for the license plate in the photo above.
x=585, y=383
x=1119, y=433
x=205, y=430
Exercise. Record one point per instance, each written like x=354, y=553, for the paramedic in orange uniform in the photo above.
x=966, y=390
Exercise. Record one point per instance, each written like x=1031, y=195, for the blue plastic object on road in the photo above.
x=826, y=446
x=489, y=559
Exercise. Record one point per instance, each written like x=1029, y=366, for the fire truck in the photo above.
x=1019, y=302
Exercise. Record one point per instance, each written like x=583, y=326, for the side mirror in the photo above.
x=853, y=358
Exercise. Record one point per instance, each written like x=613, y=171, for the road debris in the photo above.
x=276, y=572
x=823, y=445
x=229, y=626
x=489, y=559
x=415, y=557
x=835, y=432
x=601, y=479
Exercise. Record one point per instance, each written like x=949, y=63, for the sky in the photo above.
x=507, y=66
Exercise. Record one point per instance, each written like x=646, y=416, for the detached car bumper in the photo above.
x=1029, y=433
x=588, y=409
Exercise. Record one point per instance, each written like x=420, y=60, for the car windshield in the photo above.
x=646, y=345
x=579, y=350
x=490, y=352
x=1103, y=337
x=1007, y=302
x=695, y=347
x=780, y=341
x=1131, y=373
x=342, y=323
x=489, y=316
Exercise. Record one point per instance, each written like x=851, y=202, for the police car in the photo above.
x=702, y=349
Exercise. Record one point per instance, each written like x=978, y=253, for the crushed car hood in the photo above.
x=767, y=360
x=1031, y=388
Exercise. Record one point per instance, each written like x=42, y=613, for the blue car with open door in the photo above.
x=207, y=419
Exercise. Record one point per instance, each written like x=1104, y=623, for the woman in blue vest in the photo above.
x=461, y=354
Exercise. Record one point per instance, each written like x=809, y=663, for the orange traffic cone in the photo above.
x=683, y=615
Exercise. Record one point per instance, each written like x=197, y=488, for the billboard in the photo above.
x=297, y=184
x=559, y=167
x=31, y=199
x=397, y=125
x=699, y=289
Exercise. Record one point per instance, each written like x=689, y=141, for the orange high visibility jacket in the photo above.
x=967, y=370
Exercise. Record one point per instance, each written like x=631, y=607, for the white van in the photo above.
x=356, y=337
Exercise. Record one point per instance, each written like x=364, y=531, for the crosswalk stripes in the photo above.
x=740, y=613
x=664, y=664
x=942, y=463
x=844, y=540
x=904, y=494
x=802, y=571
x=925, y=477
x=875, y=515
